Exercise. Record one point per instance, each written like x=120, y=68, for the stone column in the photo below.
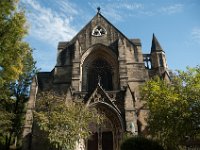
x=76, y=67
x=122, y=64
x=27, y=129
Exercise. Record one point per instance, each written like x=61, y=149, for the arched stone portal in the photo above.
x=106, y=136
x=99, y=69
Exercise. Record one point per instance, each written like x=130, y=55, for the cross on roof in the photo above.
x=98, y=9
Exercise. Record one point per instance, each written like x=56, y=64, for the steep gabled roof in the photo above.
x=155, y=46
x=99, y=16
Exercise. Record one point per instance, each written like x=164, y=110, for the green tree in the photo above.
x=174, y=107
x=12, y=47
x=16, y=63
x=19, y=90
x=65, y=122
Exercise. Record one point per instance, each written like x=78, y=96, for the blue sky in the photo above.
x=176, y=24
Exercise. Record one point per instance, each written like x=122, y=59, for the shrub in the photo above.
x=140, y=143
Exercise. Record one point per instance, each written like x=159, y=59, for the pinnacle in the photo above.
x=155, y=46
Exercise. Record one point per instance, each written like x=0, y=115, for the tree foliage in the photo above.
x=12, y=47
x=174, y=107
x=16, y=69
x=65, y=122
x=19, y=90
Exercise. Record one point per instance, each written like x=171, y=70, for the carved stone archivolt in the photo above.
x=113, y=123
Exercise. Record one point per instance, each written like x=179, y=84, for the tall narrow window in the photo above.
x=161, y=60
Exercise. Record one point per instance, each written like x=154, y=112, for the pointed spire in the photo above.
x=155, y=46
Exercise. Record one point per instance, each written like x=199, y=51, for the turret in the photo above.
x=158, y=59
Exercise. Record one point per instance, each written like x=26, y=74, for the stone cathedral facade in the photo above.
x=105, y=68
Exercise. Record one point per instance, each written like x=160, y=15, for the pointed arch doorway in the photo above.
x=102, y=137
x=105, y=136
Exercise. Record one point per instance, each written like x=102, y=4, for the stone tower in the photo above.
x=105, y=68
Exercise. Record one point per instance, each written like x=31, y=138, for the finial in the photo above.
x=98, y=10
x=99, y=80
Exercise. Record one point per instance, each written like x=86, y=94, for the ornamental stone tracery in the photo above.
x=99, y=31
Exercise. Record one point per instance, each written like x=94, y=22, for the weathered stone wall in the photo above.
x=128, y=73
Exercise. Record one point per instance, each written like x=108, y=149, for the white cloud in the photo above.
x=131, y=6
x=196, y=34
x=48, y=25
x=54, y=23
x=117, y=11
x=172, y=9
x=107, y=10
x=66, y=7
x=113, y=13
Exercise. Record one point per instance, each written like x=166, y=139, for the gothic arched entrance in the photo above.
x=102, y=136
x=107, y=135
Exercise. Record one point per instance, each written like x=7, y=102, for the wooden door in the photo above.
x=107, y=141
x=93, y=142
